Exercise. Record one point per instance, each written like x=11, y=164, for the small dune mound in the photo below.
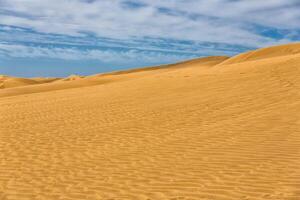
x=3, y=78
x=73, y=77
x=10, y=82
x=270, y=52
x=41, y=80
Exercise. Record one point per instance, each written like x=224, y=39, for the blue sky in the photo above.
x=63, y=37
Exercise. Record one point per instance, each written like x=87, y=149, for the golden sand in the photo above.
x=208, y=129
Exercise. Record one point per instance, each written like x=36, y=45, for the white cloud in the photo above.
x=219, y=21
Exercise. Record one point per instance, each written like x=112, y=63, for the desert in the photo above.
x=213, y=128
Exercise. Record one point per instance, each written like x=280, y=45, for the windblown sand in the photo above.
x=208, y=129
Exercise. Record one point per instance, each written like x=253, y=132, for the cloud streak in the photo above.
x=198, y=20
x=105, y=56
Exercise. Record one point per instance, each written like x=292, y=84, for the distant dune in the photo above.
x=214, y=128
x=76, y=81
x=9, y=82
x=12, y=82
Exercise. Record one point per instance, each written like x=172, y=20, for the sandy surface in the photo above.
x=197, y=130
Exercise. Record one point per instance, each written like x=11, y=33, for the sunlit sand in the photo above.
x=213, y=128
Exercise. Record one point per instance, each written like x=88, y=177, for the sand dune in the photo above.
x=73, y=78
x=198, y=62
x=75, y=81
x=270, y=52
x=12, y=82
x=195, y=130
x=42, y=80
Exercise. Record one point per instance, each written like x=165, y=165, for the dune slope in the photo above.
x=269, y=52
x=211, y=133
x=75, y=81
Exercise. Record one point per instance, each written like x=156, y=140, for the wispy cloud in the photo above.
x=103, y=55
x=197, y=20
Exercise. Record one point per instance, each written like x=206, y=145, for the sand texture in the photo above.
x=208, y=129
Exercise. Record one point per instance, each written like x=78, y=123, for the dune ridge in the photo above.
x=200, y=130
x=75, y=81
x=264, y=53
